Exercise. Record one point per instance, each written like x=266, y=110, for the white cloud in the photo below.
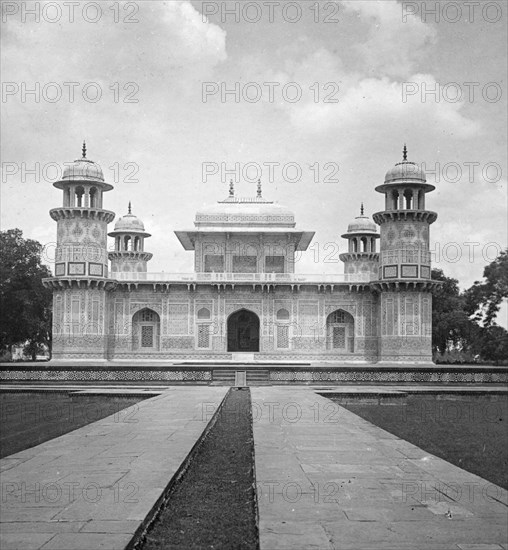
x=394, y=46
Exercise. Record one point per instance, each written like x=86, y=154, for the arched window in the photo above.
x=93, y=197
x=204, y=314
x=355, y=245
x=395, y=196
x=340, y=331
x=79, y=196
x=203, y=328
x=146, y=330
x=408, y=195
x=126, y=242
x=136, y=244
x=364, y=244
x=283, y=315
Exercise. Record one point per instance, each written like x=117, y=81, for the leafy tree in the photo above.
x=483, y=299
x=451, y=325
x=492, y=343
x=24, y=302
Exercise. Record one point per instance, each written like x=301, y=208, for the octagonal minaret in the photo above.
x=405, y=223
x=81, y=280
x=129, y=254
x=404, y=265
x=82, y=222
x=361, y=257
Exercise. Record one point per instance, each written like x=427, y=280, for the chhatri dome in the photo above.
x=83, y=169
x=361, y=224
x=405, y=171
x=130, y=223
x=250, y=211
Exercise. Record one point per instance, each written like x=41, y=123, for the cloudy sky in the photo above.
x=366, y=77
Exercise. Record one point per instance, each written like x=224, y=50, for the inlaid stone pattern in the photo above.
x=104, y=375
x=367, y=375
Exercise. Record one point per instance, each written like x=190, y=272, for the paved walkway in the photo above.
x=328, y=479
x=93, y=487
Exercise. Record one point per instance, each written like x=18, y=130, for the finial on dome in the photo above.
x=259, y=188
x=404, y=152
x=231, y=188
x=361, y=210
x=83, y=149
x=130, y=209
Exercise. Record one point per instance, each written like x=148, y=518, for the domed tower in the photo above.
x=404, y=264
x=361, y=257
x=129, y=254
x=81, y=263
x=82, y=223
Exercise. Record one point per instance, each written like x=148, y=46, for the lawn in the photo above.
x=30, y=418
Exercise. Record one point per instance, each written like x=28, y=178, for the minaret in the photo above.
x=82, y=223
x=361, y=257
x=81, y=263
x=129, y=254
x=404, y=265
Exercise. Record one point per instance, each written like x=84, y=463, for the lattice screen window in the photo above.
x=214, y=263
x=244, y=264
x=147, y=336
x=283, y=336
x=338, y=316
x=203, y=336
x=148, y=315
x=274, y=264
x=339, y=337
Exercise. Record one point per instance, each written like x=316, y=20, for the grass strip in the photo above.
x=213, y=505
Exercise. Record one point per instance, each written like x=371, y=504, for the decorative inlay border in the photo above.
x=106, y=375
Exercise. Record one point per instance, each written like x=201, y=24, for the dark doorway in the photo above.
x=243, y=331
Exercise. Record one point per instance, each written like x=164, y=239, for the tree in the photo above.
x=492, y=343
x=483, y=299
x=24, y=302
x=451, y=325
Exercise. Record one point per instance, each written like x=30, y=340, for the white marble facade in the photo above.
x=244, y=295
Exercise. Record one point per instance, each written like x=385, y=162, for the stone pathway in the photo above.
x=327, y=479
x=92, y=488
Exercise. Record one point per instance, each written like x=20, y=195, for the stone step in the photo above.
x=228, y=376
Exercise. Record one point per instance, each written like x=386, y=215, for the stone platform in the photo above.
x=326, y=479
x=205, y=373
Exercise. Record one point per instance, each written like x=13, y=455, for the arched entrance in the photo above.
x=243, y=331
x=340, y=331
